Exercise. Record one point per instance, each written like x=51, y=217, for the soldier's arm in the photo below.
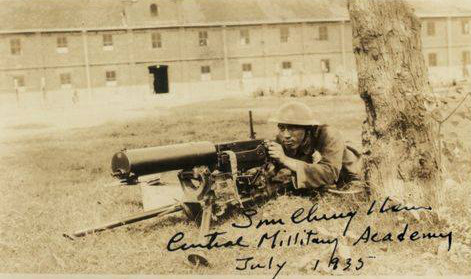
x=327, y=170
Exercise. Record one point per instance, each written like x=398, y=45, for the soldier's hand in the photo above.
x=275, y=150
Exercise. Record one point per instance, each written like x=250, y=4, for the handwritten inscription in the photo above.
x=275, y=234
x=387, y=207
x=370, y=236
x=298, y=216
x=249, y=263
x=175, y=243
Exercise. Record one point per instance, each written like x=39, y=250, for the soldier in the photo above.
x=315, y=154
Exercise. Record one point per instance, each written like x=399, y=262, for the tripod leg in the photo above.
x=206, y=220
x=159, y=212
x=198, y=258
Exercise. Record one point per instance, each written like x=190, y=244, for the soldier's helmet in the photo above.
x=294, y=113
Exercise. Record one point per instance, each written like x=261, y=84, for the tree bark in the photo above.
x=399, y=136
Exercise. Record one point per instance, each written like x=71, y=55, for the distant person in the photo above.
x=75, y=97
x=43, y=91
x=314, y=153
x=465, y=71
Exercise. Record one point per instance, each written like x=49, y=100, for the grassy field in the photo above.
x=55, y=182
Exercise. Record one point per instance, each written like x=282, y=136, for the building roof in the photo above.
x=233, y=11
x=442, y=8
x=57, y=15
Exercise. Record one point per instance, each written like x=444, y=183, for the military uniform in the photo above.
x=324, y=159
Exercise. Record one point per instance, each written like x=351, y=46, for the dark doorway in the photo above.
x=160, y=73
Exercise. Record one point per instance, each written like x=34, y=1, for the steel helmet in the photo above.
x=294, y=113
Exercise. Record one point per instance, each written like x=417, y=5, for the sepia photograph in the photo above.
x=236, y=138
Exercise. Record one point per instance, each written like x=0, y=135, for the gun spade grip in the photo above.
x=150, y=160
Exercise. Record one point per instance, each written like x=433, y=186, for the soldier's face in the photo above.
x=291, y=136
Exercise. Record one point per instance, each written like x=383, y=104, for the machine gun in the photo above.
x=213, y=178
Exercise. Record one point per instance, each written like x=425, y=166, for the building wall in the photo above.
x=53, y=82
x=181, y=50
x=32, y=79
x=191, y=48
x=123, y=75
x=448, y=43
x=439, y=38
x=138, y=13
x=168, y=51
x=458, y=37
x=118, y=53
x=273, y=44
x=54, y=56
x=28, y=58
x=255, y=47
x=313, y=44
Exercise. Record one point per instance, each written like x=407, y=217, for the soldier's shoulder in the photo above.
x=326, y=131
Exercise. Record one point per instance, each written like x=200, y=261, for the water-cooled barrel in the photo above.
x=150, y=160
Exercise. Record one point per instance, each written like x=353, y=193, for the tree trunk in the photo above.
x=399, y=136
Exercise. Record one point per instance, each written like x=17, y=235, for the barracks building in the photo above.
x=160, y=46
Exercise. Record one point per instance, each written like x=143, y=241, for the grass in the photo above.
x=55, y=182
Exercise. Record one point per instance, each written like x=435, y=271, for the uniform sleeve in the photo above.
x=326, y=171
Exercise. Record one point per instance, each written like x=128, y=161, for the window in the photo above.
x=65, y=80
x=107, y=42
x=465, y=57
x=286, y=65
x=156, y=40
x=15, y=46
x=244, y=37
x=465, y=27
x=154, y=10
x=432, y=59
x=62, y=45
x=284, y=34
x=205, y=73
x=246, y=70
x=325, y=65
x=203, y=38
x=323, y=35
x=430, y=28
x=110, y=78
x=286, y=68
x=19, y=81
x=205, y=69
x=61, y=42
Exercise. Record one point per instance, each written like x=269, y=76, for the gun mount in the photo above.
x=213, y=178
